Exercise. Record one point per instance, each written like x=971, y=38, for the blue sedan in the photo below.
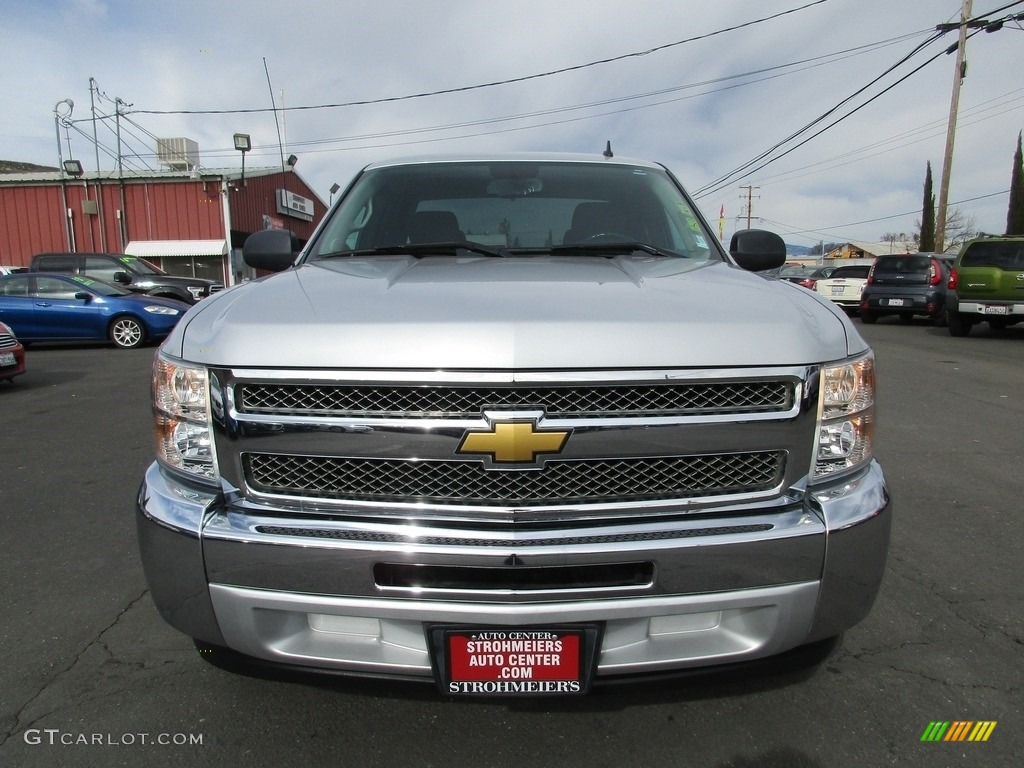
x=51, y=307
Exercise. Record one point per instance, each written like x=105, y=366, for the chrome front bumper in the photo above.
x=745, y=584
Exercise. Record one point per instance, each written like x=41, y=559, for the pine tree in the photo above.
x=1015, y=214
x=927, y=241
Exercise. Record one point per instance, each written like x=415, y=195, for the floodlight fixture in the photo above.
x=243, y=144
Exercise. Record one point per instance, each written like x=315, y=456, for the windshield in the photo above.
x=101, y=287
x=850, y=272
x=140, y=266
x=512, y=208
x=902, y=264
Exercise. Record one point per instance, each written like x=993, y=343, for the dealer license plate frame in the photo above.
x=452, y=678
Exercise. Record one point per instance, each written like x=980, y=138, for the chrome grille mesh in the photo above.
x=558, y=483
x=449, y=401
x=7, y=341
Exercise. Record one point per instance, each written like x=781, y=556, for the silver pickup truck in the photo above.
x=514, y=425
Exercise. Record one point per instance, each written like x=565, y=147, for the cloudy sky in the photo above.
x=707, y=88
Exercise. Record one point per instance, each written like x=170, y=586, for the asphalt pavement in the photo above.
x=93, y=677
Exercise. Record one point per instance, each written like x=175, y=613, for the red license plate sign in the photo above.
x=516, y=662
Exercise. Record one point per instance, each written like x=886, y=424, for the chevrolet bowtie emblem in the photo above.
x=514, y=442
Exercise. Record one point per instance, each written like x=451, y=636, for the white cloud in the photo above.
x=200, y=55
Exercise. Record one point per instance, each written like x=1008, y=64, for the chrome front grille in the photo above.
x=7, y=341
x=560, y=482
x=391, y=444
x=590, y=401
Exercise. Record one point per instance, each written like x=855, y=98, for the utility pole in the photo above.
x=750, y=203
x=947, y=163
x=93, y=89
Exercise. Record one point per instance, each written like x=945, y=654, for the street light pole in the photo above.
x=947, y=163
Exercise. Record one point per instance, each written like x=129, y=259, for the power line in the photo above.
x=811, y=62
x=742, y=171
x=736, y=173
x=824, y=230
x=793, y=66
x=492, y=84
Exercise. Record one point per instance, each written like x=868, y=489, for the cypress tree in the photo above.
x=927, y=243
x=1015, y=214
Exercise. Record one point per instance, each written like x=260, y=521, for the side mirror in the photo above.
x=84, y=296
x=122, y=277
x=757, y=249
x=270, y=249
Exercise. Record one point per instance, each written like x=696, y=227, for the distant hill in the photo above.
x=13, y=166
x=798, y=250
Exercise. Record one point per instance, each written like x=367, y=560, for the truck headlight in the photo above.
x=181, y=408
x=846, y=417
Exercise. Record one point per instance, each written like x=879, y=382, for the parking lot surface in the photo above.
x=93, y=676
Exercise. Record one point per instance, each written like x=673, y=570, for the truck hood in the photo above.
x=513, y=313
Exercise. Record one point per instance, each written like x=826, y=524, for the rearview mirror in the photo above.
x=84, y=296
x=122, y=277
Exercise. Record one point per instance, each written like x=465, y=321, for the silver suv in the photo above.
x=513, y=425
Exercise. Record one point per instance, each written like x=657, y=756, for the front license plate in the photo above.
x=895, y=302
x=996, y=309
x=6, y=359
x=532, y=661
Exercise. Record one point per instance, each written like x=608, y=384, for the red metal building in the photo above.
x=188, y=223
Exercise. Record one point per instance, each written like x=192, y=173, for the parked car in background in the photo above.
x=906, y=285
x=72, y=308
x=809, y=281
x=12, y=354
x=844, y=285
x=138, y=275
x=801, y=274
x=986, y=284
x=9, y=270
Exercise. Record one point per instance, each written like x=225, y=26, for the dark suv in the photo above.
x=133, y=273
x=987, y=284
x=906, y=285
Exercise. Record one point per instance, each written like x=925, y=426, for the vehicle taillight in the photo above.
x=935, y=273
x=954, y=278
x=871, y=275
x=808, y=282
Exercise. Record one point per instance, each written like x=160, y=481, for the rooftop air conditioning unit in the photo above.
x=177, y=154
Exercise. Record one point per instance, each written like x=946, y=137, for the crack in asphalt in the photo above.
x=957, y=608
x=17, y=726
x=952, y=603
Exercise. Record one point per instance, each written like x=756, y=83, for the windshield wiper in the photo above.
x=612, y=249
x=420, y=249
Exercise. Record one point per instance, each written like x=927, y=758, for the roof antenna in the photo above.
x=608, y=150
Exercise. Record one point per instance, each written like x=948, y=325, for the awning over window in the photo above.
x=147, y=249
